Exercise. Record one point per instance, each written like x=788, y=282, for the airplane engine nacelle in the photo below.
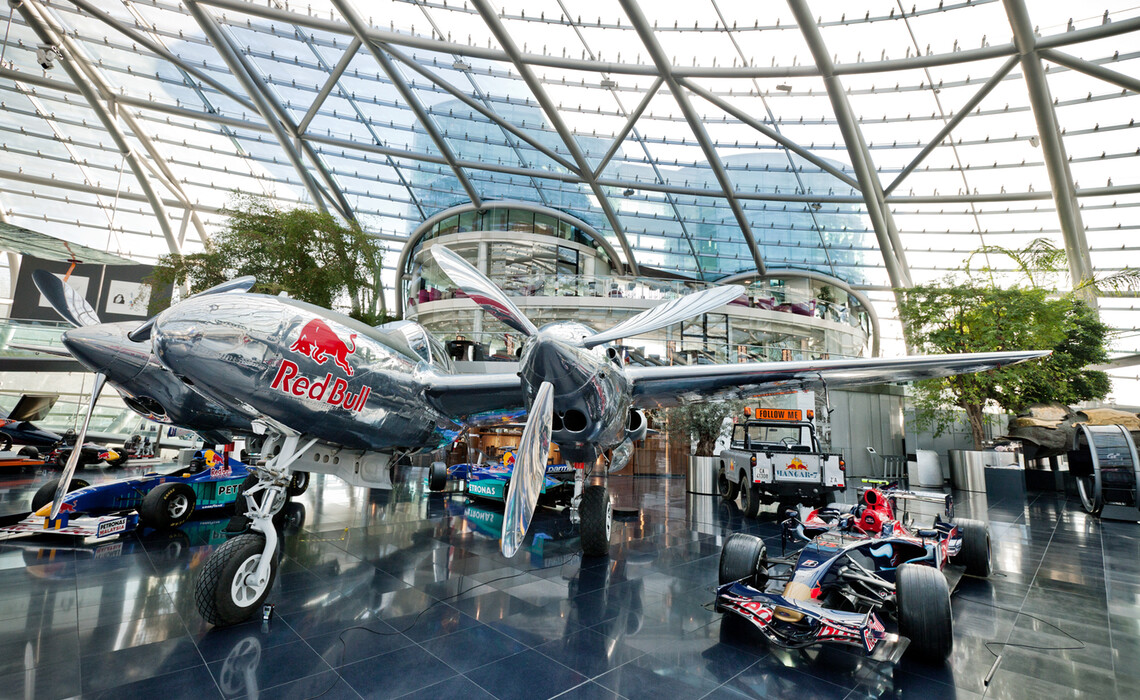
x=636, y=426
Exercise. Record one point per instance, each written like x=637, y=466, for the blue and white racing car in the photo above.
x=210, y=483
x=491, y=481
x=861, y=570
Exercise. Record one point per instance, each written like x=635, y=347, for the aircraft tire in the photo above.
x=167, y=505
x=299, y=484
x=975, y=553
x=221, y=591
x=744, y=558
x=924, y=611
x=597, y=516
x=47, y=492
x=437, y=476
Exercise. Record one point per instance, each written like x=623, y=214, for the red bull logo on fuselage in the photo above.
x=318, y=341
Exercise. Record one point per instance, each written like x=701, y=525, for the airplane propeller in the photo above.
x=530, y=468
x=487, y=294
x=67, y=302
x=77, y=448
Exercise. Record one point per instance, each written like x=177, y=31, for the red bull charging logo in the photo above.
x=796, y=464
x=319, y=342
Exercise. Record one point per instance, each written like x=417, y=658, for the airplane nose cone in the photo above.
x=189, y=337
x=105, y=348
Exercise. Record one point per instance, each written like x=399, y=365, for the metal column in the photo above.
x=1053, y=149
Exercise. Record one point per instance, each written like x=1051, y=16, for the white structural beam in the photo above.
x=1053, y=149
x=696, y=124
x=880, y=214
x=359, y=30
x=330, y=83
x=51, y=33
x=556, y=121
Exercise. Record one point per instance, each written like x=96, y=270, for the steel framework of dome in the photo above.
x=879, y=143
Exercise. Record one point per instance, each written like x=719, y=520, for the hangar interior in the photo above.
x=534, y=174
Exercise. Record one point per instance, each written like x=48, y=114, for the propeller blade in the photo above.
x=482, y=291
x=77, y=449
x=65, y=300
x=620, y=456
x=668, y=313
x=237, y=284
x=529, y=470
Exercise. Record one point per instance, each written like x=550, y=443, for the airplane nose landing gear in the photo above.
x=236, y=579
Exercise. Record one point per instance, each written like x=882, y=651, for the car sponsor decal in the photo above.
x=228, y=489
x=796, y=470
x=873, y=632
x=493, y=489
x=111, y=527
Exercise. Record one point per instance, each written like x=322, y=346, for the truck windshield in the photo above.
x=776, y=435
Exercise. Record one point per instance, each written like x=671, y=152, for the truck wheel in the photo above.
x=597, y=515
x=167, y=505
x=975, y=552
x=749, y=500
x=46, y=493
x=924, y=611
x=225, y=592
x=744, y=558
x=437, y=476
x=728, y=488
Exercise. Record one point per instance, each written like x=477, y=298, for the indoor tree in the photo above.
x=950, y=317
x=309, y=255
x=704, y=421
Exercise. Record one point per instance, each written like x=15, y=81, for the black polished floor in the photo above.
x=401, y=594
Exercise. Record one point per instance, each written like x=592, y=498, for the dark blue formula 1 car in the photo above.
x=210, y=483
x=860, y=570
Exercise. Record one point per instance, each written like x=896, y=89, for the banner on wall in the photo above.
x=116, y=292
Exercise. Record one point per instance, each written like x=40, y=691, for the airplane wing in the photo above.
x=655, y=387
x=462, y=395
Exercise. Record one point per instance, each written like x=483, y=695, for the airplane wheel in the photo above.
x=167, y=505
x=437, y=476
x=597, y=515
x=47, y=492
x=744, y=558
x=924, y=611
x=225, y=592
x=299, y=484
x=749, y=500
x=975, y=553
x=728, y=489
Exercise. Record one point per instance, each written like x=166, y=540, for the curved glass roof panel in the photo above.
x=883, y=144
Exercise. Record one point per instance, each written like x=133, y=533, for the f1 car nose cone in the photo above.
x=105, y=348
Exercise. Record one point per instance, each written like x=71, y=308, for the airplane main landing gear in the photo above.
x=236, y=579
x=592, y=511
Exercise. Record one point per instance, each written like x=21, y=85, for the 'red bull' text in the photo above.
x=334, y=392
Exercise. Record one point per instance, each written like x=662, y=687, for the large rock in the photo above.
x=1048, y=430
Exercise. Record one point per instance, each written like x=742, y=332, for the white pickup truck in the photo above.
x=777, y=458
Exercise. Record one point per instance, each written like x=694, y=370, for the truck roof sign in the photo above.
x=779, y=414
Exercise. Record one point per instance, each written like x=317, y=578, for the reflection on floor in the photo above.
x=402, y=594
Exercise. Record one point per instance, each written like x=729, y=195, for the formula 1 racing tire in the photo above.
x=167, y=505
x=727, y=488
x=46, y=493
x=225, y=591
x=749, y=500
x=5, y=442
x=597, y=516
x=29, y=452
x=975, y=552
x=924, y=611
x=437, y=476
x=744, y=558
x=298, y=485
